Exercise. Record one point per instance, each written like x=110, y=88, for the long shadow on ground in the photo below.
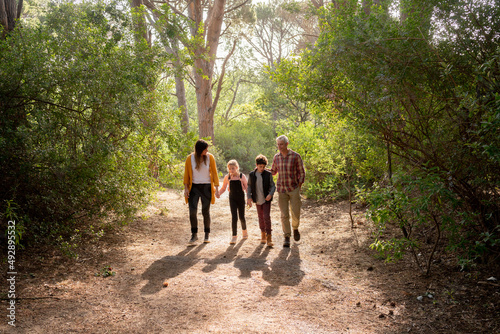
x=284, y=270
x=169, y=267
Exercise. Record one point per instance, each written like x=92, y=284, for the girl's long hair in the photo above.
x=199, y=147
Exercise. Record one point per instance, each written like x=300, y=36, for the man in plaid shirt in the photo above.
x=291, y=174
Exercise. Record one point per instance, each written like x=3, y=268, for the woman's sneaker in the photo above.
x=245, y=234
x=233, y=239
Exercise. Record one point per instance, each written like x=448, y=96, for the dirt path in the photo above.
x=329, y=282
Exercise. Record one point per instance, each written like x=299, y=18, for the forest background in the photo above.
x=393, y=105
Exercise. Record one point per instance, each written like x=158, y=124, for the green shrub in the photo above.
x=75, y=133
x=243, y=140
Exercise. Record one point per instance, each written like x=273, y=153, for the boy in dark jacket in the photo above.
x=260, y=191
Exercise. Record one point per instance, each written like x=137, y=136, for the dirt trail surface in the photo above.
x=328, y=282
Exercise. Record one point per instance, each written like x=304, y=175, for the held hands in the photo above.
x=249, y=202
x=217, y=194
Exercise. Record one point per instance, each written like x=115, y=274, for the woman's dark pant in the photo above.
x=203, y=191
x=237, y=205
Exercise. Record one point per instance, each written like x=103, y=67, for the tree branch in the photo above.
x=236, y=7
x=221, y=77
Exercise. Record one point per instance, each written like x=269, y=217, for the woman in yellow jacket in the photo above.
x=201, y=181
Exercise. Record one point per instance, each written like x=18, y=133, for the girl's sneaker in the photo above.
x=245, y=234
x=233, y=240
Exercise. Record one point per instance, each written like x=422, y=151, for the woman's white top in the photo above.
x=201, y=175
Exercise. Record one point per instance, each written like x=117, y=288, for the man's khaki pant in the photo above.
x=290, y=201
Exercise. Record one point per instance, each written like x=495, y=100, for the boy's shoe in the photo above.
x=270, y=240
x=296, y=235
x=262, y=237
x=286, y=243
x=233, y=239
x=206, y=240
x=192, y=241
x=245, y=234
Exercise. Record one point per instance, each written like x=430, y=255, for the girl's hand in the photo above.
x=249, y=202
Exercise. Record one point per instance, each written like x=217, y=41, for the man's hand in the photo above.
x=268, y=198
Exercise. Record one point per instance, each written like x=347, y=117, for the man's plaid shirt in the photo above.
x=290, y=169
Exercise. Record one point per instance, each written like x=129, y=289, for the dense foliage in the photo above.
x=426, y=86
x=80, y=120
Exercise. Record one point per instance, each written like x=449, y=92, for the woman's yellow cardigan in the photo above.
x=214, y=177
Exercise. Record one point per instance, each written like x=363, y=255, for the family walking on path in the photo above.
x=201, y=182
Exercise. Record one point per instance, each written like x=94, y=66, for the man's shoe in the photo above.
x=192, y=241
x=286, y=243
x=245, y=234
x=233, y=240
x=296, y=235
x=206, y=240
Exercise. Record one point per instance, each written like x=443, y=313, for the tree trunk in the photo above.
x=204, y=104
x=10, y=11
x=203, y=70
x=180, y=92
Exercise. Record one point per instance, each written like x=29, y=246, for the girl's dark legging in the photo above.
x=237, y=205
x=203, y=191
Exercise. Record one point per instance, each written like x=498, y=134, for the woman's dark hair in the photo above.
x=199, y=147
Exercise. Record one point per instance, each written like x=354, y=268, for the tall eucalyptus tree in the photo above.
x=198, y=26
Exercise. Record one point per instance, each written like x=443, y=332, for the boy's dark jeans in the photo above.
x=264, y=213
x=203, y=191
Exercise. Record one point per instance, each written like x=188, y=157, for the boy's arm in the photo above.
x=249, y=191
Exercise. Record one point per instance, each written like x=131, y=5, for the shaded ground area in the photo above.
x=329, y=282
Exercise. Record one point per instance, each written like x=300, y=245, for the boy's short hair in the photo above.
x=261, y=160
